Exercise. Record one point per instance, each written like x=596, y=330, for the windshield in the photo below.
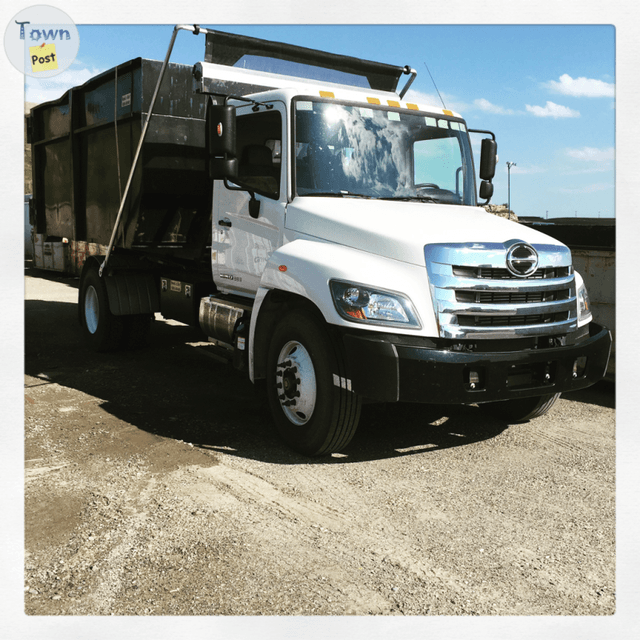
x=344, y=150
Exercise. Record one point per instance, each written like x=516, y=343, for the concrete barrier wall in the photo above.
x=593, y=247
x=598, y=269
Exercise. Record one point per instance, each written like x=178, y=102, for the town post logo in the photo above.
x=41, y=41
x=43, y=58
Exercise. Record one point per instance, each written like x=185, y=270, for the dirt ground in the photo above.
x=155, y=486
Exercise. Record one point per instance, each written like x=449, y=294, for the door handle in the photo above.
x=225, y=222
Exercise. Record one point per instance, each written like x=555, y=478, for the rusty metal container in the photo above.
x=83, y=146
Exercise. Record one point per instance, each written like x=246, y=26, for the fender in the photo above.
x=304, y=268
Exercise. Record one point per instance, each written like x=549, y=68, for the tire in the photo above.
x=101, y=329
x=313, y=415
x=523, y=410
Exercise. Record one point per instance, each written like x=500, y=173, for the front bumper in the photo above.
x=387, y=370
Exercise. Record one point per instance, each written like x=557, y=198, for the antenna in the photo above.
x=434, y=84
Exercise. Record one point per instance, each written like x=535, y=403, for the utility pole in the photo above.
x=509, y=165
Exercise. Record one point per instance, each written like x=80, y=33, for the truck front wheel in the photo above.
x=521, y=410
x=313, y=408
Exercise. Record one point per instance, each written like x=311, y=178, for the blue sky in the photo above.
x=547, y=92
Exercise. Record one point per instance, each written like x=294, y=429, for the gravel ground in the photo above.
x=156, y=486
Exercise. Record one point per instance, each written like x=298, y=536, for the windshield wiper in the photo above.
x=339, y=194
x=412, y=198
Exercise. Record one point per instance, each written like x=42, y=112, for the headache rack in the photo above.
x=277, y=57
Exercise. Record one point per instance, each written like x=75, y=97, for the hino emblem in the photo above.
x=522, y=259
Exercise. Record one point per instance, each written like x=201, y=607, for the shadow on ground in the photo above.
x=174, y=390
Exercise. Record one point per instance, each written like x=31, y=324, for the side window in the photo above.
x=260, y=152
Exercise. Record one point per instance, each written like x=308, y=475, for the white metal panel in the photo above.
x=400, y=230
x=306, y=266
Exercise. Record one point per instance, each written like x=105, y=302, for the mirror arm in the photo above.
x=254, y=206
x=490, y=133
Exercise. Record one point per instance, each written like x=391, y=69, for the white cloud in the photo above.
x=592, y=154
x=590, y=188
x=40, y=90
x=553, y=110
x=595, y=169
x=526, y=169
x=487, y=106
x=581, y=87
x=433, y=100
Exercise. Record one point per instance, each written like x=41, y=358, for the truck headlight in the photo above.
x=584, y=306
x=359, y=303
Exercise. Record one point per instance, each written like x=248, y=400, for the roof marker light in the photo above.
x=327, y=94
x=373, y=100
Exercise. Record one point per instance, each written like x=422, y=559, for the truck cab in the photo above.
x=352, y=214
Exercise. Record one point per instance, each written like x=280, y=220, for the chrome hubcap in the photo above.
x=296, y=383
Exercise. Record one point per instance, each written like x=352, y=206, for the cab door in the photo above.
x=248, y=214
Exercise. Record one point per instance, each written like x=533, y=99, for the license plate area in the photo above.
x=536, y=374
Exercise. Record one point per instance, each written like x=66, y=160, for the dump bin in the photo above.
x=83, y=147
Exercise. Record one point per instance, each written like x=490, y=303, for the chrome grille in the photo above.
x=504, y=274
x=509, y=297
x=476, y=296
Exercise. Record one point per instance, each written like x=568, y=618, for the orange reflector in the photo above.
x=373, y=101
x=327, y=94
x=412, y=106
x=282, y=267
x=447, y=112
x=393, y=103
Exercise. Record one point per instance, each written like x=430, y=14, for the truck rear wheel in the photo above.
x=102, y=330
x=522, y=410
x=312, y=407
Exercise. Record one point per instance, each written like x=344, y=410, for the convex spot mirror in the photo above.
x=486, y=190
x=220, y=141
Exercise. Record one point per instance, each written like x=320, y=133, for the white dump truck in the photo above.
x=324, y=232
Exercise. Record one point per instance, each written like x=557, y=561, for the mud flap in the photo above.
x=132, y=293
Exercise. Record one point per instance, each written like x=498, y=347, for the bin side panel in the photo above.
x=101, y=177
x=56, y=189
x=55, y=119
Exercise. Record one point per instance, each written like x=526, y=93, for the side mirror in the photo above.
x=488, y=159
x=220, y=141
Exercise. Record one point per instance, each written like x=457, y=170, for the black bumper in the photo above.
x=383, y=369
